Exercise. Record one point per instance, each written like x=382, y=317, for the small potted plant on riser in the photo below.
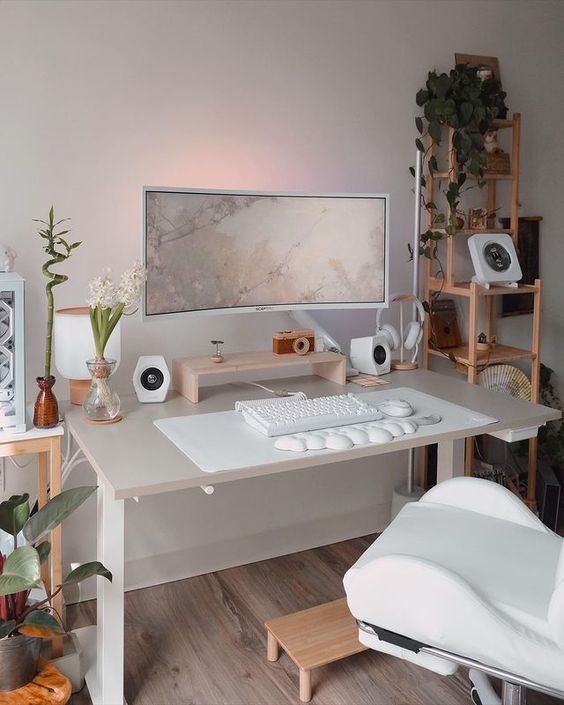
x=23, y=623
x=46, y=409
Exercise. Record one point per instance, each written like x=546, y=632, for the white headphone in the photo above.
x=411, y=335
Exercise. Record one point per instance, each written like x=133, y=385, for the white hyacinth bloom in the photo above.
x=102, y=292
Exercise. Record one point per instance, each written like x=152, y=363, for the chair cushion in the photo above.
x=469, y=583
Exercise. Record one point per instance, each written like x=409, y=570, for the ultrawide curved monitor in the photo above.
x=232, y=251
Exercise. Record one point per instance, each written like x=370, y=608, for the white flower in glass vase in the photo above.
x=108, y=303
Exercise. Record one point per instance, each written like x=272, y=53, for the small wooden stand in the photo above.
x=314, y=638
x=188, y=373
x=49, y=687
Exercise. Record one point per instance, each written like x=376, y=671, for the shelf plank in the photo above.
x=463, y=288
x=485, y=177
x=501, y=353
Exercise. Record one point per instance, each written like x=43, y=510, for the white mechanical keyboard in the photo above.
x=289, y=415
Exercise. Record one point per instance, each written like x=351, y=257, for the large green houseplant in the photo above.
x=462, y=101
x=23, y=623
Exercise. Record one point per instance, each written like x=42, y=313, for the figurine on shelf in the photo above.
x=218, y=357
x=490, y=142
x=482, y=343
x=7, y=258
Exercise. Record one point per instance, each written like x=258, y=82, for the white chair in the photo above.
x=467, y=576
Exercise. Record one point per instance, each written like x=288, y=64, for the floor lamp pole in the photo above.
x=410, y=492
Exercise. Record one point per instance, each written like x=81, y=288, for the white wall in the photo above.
x=99, y=98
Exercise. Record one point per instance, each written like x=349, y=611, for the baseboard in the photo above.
x=187, y=563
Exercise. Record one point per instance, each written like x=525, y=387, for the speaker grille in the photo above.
x=152, y=379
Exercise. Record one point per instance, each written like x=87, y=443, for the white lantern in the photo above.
x=74, y=344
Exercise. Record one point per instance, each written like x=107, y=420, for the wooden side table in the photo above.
x=46, y=443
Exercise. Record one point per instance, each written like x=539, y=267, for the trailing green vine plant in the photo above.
x=58, y=250
x=462, y=101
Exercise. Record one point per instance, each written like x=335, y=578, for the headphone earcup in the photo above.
x=391, y=335
x=412, y=335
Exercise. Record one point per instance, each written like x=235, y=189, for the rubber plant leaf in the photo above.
x=21, y=571
x=6, y=628
x=14, y=513
x=42, y=624
x=55, y=511
x=44, y=549
x=87, y=570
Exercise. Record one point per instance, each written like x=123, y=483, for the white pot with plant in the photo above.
x=108, y=302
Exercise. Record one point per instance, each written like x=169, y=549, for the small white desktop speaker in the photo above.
x=151, y=378
x=12, y=353
x=371, y=355
x=495, y=259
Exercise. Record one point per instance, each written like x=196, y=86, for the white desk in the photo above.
x=133, y=459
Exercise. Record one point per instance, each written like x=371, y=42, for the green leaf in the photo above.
x=55, y=511
x=42, y=624
x=419, y=145
x=419, y=125
x=435, y=132
x=422, y=97
x=412, y=171
x=466, y=110
x=75, y=245
x=14, y=512
x=21, y=571
x=44, y=549
x=6, y=628
x=87, y=570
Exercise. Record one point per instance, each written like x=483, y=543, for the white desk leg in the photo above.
x=450, y=460
x=110, y=603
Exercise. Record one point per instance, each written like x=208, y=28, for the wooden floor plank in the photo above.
x=202, y=641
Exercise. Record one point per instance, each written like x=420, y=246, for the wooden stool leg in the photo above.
x=305, y=686
x=272, y=651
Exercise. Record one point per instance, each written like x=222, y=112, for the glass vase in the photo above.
x=101, y=403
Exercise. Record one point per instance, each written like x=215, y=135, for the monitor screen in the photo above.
x=219, y=251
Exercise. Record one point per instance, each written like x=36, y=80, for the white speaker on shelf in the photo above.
x=371, y=355
x=151, y=378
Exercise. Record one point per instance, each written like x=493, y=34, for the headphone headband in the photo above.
x=403, y=298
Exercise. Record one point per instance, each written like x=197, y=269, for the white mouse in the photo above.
x=338, y=441
x=314, y=441
x=379, y=435
x=397, y=407
x=357, y=436
x=294, y=443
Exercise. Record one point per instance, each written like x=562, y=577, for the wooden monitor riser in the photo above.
x=191, y=373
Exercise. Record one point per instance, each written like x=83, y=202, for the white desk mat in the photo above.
x=224, y=441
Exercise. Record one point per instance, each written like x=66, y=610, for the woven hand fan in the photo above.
x=506, y=379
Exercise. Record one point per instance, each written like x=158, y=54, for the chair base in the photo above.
x=482, y=692
x=513, y=686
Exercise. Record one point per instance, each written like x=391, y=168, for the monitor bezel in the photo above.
x=272, y=307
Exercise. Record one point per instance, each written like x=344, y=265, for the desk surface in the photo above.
x=134, y=458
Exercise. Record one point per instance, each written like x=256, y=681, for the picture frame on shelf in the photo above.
x=481, y=63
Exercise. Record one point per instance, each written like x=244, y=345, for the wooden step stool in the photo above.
x=313, y=638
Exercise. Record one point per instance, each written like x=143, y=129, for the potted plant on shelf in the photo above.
x=24, y=621
x=464, y=102
x=108, y=302
x=58, y=250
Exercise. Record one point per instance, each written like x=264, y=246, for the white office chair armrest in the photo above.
x=484, y=497
x=378, y=592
